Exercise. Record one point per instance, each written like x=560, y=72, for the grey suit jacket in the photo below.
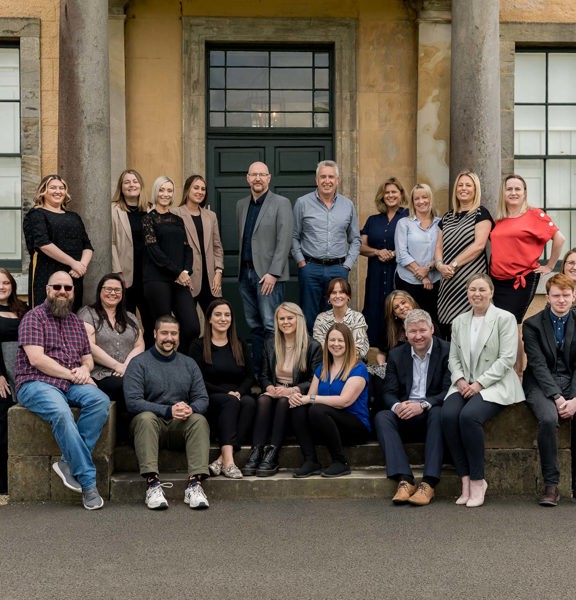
x=272, y=237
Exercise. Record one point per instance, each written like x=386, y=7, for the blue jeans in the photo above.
x=313, y=280
x=76, y=439
x=259, y=311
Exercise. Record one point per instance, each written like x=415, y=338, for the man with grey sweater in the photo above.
x=165, y=391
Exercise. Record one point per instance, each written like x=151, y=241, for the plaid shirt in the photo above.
x=64, y=340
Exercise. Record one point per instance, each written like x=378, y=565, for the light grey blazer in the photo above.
x=272, y=237
x=494, y=368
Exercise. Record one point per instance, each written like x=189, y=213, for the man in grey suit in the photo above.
x=265, y=235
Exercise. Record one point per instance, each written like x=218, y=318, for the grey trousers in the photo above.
x=151, y=432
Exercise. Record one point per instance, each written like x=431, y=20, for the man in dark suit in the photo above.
x=550, y=376
x=417, y=379
x=264, y=222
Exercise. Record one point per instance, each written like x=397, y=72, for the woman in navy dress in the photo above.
x=378, y=246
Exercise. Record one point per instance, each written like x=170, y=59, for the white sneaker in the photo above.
x=195, y=497
x=155, y=499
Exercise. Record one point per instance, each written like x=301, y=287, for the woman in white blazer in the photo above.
x=129, y=205
x=482, y=356
x=204, y=238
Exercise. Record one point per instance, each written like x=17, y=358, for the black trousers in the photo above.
x=271, y=420
x=112, y=387
x=231, y=418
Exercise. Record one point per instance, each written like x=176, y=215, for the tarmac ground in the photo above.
x=289, y=549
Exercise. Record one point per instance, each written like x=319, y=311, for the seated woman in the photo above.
x=290, y=359
x=334, y=412
x=398, y=304
x=225, y=364
x=339, y=295
x=115, y=338
x=11, y=312
x=482, y=357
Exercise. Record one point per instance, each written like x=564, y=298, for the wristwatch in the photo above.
x=424, y=405
x=455, y=264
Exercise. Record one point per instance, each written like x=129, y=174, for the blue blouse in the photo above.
x=359, y=408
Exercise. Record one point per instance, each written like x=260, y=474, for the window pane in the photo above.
x=284, y=100
x=321, y=120
x=562, y=219
x=247, y=100
x=217, y=119
x=562, y=130
x=560, y=183
x=10, y=194
x=247, y=78
x=322, y=59
x=254, y=119
x=217, y=58
x=291, y=79
x=291, y=59
x=322, y=102
x=217, y=78
x=562, y=77
x=533, y=173
x=322, y=79
x=292, y=120
x=529, y=130
x=246, y=58
x=217, y=99
x=9, y=74
x=530, y=77
x=10, y=127
x=10, y=240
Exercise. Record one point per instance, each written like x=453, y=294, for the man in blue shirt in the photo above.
x=326, y=240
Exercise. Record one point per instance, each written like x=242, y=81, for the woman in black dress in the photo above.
x=56, y=240
x=168, y=264
x=11, y=312
x=227, y=369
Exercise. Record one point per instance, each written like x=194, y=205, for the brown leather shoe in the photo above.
x=551, y=496
x=423, y=495
x=403, y=493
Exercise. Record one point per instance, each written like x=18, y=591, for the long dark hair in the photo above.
x=122, y=318
x=232, y=336
x=188, y=184
x=15, y=305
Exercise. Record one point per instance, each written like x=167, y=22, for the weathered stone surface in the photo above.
x=29, y=478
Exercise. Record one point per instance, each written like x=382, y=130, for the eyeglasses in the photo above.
x=112, y=290
x=58, y=286
x=261, y=175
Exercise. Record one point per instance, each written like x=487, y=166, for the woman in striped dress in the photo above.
x=461, y=247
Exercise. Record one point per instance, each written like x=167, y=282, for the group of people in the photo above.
x=427, y=283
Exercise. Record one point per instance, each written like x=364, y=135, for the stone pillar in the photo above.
x=433, y=119
x=116, y=50
x=84, y=124
x=475, y=139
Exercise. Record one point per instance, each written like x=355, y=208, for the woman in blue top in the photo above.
x=335, y=410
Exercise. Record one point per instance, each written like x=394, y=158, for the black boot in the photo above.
x=254, y=460
x=269, y=465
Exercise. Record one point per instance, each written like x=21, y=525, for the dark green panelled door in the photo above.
x=292, y=162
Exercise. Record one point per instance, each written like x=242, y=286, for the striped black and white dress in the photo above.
x=457, y=234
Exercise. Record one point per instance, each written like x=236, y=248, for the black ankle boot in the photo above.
x=254, y=460
x=269, y=465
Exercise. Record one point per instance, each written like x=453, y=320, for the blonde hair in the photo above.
x=350, y=356
x=301, y=337
x=118, y=196
x=477, y=191
x=158, y=183
x=43, y=186
x=502, y=212
x=428, y=191
x=394, y=326
x=379, y=199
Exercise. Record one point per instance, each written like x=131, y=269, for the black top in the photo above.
x=167, y=250
x=254, y=207
x=224, y=375
x=135, y=216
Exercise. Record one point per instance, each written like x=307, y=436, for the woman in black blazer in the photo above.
x=290, y=359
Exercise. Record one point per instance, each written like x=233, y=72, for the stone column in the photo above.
x=84, y=124
x=475, y=139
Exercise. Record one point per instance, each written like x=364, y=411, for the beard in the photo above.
x=60, y=307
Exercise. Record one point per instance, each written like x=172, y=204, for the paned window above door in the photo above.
x=269, y=88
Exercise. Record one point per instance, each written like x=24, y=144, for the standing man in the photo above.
x=166, y=392
x=550, y=376
x=326, y=240
x=417, y=380
x=53, y=368
x=265, y=232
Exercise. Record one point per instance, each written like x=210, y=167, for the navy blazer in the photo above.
x=399, y=377
x=540, y=348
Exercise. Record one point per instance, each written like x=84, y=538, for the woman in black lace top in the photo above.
x=168, y=264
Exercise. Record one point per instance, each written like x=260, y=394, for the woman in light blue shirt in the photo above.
x=415, y=241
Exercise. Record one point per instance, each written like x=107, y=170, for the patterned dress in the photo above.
x=458, y=229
